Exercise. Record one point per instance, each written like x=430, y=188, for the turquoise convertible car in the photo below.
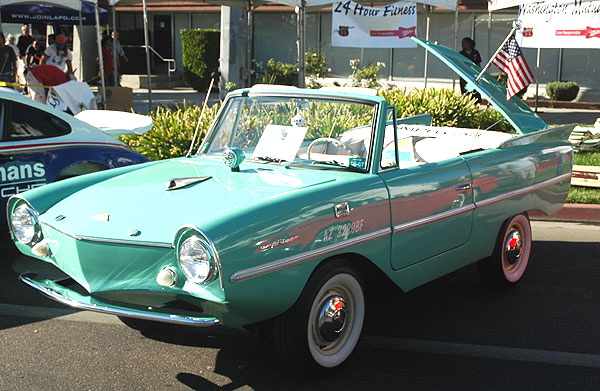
x=296, y=202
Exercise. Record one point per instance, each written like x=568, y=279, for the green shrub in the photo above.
x=277, y=72
x=583, y=195
x=200, y=56
x=490, y=119
x=172, y=132
x=174, y=127
x=562, y=90
x=446, y=108
x=315, y=67
x=365, y=76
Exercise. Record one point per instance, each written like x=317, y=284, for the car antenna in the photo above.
x=212, y=80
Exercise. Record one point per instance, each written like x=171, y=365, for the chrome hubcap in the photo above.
x=513, y=248
x=332, y=319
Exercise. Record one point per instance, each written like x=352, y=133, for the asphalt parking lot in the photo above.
x=451, y=334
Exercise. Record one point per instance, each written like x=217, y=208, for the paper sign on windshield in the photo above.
x=280, y=142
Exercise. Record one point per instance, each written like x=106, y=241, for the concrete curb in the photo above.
x=583, y=213
x=564, y=105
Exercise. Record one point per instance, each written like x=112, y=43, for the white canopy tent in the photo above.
x=75, y=5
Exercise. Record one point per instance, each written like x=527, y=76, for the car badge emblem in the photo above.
x=101, y=217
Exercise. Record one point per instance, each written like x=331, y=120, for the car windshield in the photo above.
x=324, y=133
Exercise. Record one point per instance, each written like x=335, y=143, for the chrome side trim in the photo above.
x=454, y=212
x=431, y=219
x=110, y=241
x=129, y=313
x=520, y=192
x=127, y=242
x=297, y=259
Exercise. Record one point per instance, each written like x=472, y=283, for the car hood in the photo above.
x=204, y=192
x=517, y=113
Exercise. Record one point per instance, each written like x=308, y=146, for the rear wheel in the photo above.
x=324, y=326
x=511, y=255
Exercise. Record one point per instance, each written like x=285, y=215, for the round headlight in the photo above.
x=25, y=225
x=196, y=259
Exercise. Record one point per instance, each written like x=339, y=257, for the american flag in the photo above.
x=511, y=61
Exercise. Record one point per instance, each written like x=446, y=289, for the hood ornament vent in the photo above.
x=179, y=183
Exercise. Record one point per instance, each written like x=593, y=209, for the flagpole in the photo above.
x=516, y=26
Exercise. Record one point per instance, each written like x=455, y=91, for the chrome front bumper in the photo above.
x=74, y=299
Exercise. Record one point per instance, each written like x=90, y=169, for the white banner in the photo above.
x=359, y=26
x=561, y=24
x=494, y=5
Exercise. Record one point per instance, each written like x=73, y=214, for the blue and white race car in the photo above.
x=39, y=144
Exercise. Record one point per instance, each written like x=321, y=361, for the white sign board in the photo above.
x=359, y=26
x=280, y=142
x=563, y=24
x=494, y=5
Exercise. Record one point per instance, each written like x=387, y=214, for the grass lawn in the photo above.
x=585, y=195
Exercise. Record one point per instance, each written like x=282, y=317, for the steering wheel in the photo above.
x=333, y=141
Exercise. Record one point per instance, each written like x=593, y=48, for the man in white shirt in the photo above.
x=59, y=55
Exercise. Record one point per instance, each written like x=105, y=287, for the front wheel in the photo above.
x=324, y=326
x=511, y=255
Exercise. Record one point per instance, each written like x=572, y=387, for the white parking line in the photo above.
x=483, y=351
x=369, y=342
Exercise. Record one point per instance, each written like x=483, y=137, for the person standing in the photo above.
x=469, y=51
x=35, y=51
x=59, y=55
x=107, y=59
x=10, y=41
x=119, y=52
x=25, y=39
x=8, y=62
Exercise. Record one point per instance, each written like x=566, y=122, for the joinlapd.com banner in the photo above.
x=359, y=26
x=561, y=24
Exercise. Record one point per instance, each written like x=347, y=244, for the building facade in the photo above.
x=274, y=36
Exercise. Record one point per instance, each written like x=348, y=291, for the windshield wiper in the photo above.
x=269, y=159
x=338, y=164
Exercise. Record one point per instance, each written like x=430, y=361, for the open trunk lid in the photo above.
x=517, y=113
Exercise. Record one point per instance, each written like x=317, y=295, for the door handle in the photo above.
x=342, y=210
x=466, y=186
